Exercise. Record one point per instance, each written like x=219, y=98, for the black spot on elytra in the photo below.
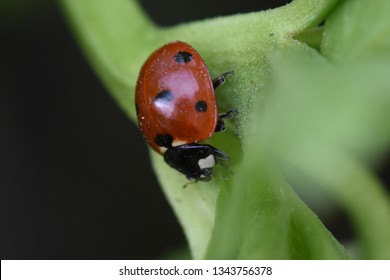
x=182, y=57
x=164, y=96
x=201, y=106
x=163, y=140
x=136, y=108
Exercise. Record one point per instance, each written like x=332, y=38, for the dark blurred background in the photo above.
x=75, y=177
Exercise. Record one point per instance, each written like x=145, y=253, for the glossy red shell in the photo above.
x=187, y=82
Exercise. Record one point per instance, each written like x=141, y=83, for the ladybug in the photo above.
x=176, y=109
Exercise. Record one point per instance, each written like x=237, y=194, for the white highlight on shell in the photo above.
x=207, y=162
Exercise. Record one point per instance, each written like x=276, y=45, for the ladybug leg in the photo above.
x=221, y=123
x=229, y=114
x=219, y=154
x=220, y=80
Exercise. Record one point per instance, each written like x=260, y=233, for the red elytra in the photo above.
x=175, y=96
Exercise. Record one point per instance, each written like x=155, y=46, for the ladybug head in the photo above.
x=196, y=161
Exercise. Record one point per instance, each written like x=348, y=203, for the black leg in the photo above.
x=221, y=123
x=229, y=114
x=219, y=154
x=221, y=79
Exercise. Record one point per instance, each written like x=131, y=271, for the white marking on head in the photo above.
x=207, y=162
x=176, y=143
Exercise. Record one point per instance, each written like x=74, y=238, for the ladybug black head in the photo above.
x=196, y=161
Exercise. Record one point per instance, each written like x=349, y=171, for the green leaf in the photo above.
x=263, y=218
x=330, y=121
x=357, y=35
x=357, y=27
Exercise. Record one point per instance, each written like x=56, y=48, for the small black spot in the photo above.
x=164, y=140
x=136, y=108
x=201, y=106
x=164, y=96
x=183, y=57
